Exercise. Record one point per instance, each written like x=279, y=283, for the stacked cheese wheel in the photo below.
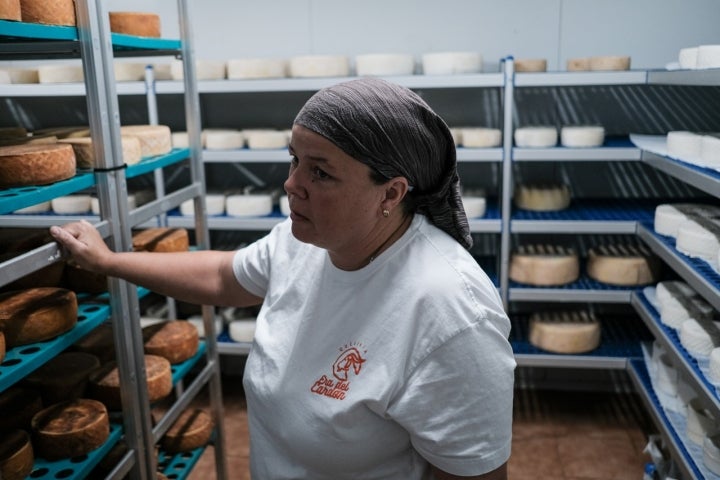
x=695, y=148
x=568, y=332
x=622, y=264
x=174, y=340
x=678, y=302
x=699, y=57
x=544, y=265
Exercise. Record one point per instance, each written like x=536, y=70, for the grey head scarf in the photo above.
x=393, y=131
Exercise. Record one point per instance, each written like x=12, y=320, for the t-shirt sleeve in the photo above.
x=457, y=404
x=251, y=264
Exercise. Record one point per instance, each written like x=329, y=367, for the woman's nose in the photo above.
x=292, y=184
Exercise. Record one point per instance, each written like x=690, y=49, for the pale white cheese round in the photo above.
x=687, y=58
x=564, y=332
x=710, y=151
x=71, y=204
x=699, y=238
x=700, y=422
x=129, y=71
x=23, y=75
x=451, y=63
x=285, y=205
x=249, y=205
x=669, y=217
x=699, y=337
x=242, y=330
x=708, y=56
x=683, y=145
x=714, y=368
x=678, y=303
x=582, y=136
x=305, y=66
x=265, y=139
x=384, y=64
x=478, y=137
x=5, y=78
x=214, y=204
x=255, y=68
x=536, y=137
x=42, y=207
x=180, y=139
x=95, y=204
x=224, y=139
x=204, y=70
x=542, y=198
x=60, y=74
x=197, y=322
x=474, y=206
x=544, y=265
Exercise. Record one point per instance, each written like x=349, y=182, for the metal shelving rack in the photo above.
x=93, y=42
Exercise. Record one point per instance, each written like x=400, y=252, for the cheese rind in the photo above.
x=265, y=139
x=622, y=265
x=250, y=205
x=699, y=337
x=610, y=62
x=708, y=56
x=161, y=239
x=474, y=207
x=140, y=24
x=582, y=136
x=478, y=137
x=18, y=404
x=16, y=455
x=578, y=64
x=669, y=217
x=699, y=237
x=60, y=74
x=451, y=63
x=36, y=314
x=542, y=198
x=223, y=139
x=544, y=265
x=104, y=383
x=530, y=65
x=687, y=58
x=154, y=139
x=24, y=165
x=683, y=145
x=58, y=12
x=10, y=10
x=678, y=303
x=307, y=66
x=175, y=340
x=64, y=377
x=254, y=68
x=204, y=70
x=191, y=430
x=564, y=332
x=75, y=204
x=214, y=205
x=535, y=137
x=242, y=330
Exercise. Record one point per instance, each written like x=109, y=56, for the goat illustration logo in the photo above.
x=348, y=359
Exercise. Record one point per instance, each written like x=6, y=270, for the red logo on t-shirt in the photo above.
x=350, y=359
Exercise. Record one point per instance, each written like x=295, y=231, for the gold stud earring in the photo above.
x=386, y=213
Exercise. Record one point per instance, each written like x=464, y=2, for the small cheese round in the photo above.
x=60, y=12
x=23, y=75
x=285, y=205
x=63, y=377
x=204, y=70
x=95, y=204
x=197, y=322
x=306, y=66
x=709, y=151
x=564, y=332
x=478, y=137
x=23, y=165
x=60, y=74
x=474, y=207
x=191, y=430
x=687, y=58
x=530, y=65
x=42, y=207
x=254, y=68
x=180, y=139
x=162, y=71
x=265, y=139
x=242, y=330
x=154, y=139
x=578, y=64
x=708, y=56
x=75, y=204
x=129, y=71
x=70, y=429
x=544, y=265
x=36, y=314
x=220, y=139
x=249, y=205
x=699, y=237
x=678, y=302
x=669, y=217
x=16, y=455
x=214, y=204
x=140, y=24
x=542, y=198
x=161, y=239
x=175, y=340
x=384, y=64
x=610, y=62
x=699, y=337
x=85, y=153
x=451, y=63
x=104, y=383
x=10, y=10
x=536, y=137
x=700, y=422
x=622, y=264
x=683, y=145
x=582, y=136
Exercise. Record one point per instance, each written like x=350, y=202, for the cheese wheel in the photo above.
x=70, y=429
x=535, y=137
x=451, y=63
x=223, y=139
x=669, y=217
x=478, y=137
x=162, y=71
x=530, y=65
x=63, y=377
x=95, y=204
x=699, y=337
x=305, y=66
x=23, y=165
x=214, y=205
x=564, y=332
x=708, y=56
x=542, y=198
x=140, y=24
x=175, y=340
x=81, y=280
x=197, y=322
x=5, y=78
x=700, y=422
x=709, y=152
x=711, y=452
x=16, y=455
x=23, y=75
x=64, y=132
x=204, y=70
x=373, y=64
x=99, y=343
x=104, y=383
x=474, y=206
x=683, y=145
x=71, y=204
x=678, y=303
x=161, y=239
x=42, y=207
x=582, y=136
x=622, y=264
x=191, y=430
x=36, y=314
x=129, y=71
x=610, y=62
x=544, y=265
x=265, y=139
x=59, y=12
x=714, y=367
x=699, y=237
x=254, y=68
x=60, y=74
x=154, y=139
x=18, y=404
x=242, y=330
x=85, y=153
x=666, y=376
x=10, y=10
x=180, y=139
x=456, y=134
x=578, y=64
x=687, y=58
x=285, y=205
x=250, y=205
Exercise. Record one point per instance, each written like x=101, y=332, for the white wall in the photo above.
x=650, y=31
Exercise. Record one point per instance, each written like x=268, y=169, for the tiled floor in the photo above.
x=556, y=435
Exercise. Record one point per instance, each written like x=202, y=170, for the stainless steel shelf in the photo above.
x=227, y=223
x=234, y=348
x=709, y=77
x=65, y=89
x=570, y=361
x=573, y=226
x=567, y=295
x=704, y=179
x=605, y=154
x=559, y=79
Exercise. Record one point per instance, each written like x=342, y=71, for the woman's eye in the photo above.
x=320, y=173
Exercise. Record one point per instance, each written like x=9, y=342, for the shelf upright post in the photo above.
x=506, y=207
x=104, y=118
x=202, y=233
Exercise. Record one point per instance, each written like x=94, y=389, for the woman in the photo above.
x=381, y=347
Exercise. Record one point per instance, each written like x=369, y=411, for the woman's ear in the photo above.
x=395, y=190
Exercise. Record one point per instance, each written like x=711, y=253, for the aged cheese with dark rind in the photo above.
x=16, y=455
x=36, y=314
x=191, y=430
x=104, y=384
x=99, y=342
x=18, y=405
x=63, y=377
x=175, y=340
x=161, y=240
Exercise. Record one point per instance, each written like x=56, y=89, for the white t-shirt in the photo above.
x=371, y=374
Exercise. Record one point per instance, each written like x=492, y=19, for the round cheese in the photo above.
x=16, y=455
x=18, y=404
x=219, y=139
x=480, y=137
x=180, y=139
x=85, y=153
x=242, y=330
x=666, y=376
x=23, y=165
x=708, y=56
x=709, y=151
x=5, y=78
x=474, y=206
x=582, y=136
x=161, y=239
x=249, y=205
x=81, y=280
x=687, y=58
x=71, y=204
x=36, y=314
x=305, y=66
x=214, y=204
x=699, y=237
x=711, y=452
x=60, y=74
x=60, y=12
x=683, y=145
x=544, y=265
x=99, y=343
x=10, y=10
x=104, y=383
x=154, y=139
x=255, y=68
x=535, y=137
x=42, y=207
x=456, y=134
x=714, y=367
x=70, y=429
x=564, y=332
x=384, y=64
x=578, y=64
x=175, y=340
x=678, y=303
x=700, y=422
x=129, y=71
x=451, y=63
x=610, y=62
x=669, y=217
x=162, y=71
x=140, y=24
x=204, y=70
x=63, y=377
x=622, y=264
x=197, y=322
x=191, y=430
x=23, y=75
x=542, y=198
x=530, y=65
x=95, y=204
x=285, y=205
x=699, y=337
x=265, y=139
